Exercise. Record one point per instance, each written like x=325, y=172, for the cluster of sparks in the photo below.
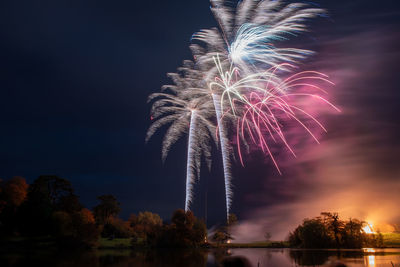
x=239, y=86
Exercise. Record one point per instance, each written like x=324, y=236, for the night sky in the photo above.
x=74, y=81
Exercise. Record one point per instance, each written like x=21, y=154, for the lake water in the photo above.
x=207, y=258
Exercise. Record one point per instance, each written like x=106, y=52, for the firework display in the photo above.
x=240, y=86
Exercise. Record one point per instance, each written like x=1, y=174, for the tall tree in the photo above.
x=76, y=228
x=51, y=188
x=334, y=225
x=108, y=207
x=187, y=230
x=45, y=195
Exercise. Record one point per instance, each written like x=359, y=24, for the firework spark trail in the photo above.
x=228, y=84
x=233, y=88
x=267, y=112
x=263, y=103
x=225, y=154
x=247, y=33
x=250, y=50
x=185, y=114
x=238, y=64
x=253, y=47
x=190, y=172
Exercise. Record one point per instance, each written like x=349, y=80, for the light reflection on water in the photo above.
x=370, y=259
x=381, y=257
x=207, y=258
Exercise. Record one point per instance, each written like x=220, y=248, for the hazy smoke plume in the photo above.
x=355, y=170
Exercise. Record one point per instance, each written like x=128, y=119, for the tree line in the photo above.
x=50, y=208
x=329, y=231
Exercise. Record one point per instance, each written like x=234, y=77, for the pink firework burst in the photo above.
x=266, y=113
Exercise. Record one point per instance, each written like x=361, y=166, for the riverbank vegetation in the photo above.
x=329, y=231
x=48, y=213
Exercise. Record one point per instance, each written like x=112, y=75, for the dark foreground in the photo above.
x=201, y=258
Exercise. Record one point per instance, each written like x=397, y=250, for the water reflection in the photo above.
x=207, y=258
x=145, y=258
x=370, y=259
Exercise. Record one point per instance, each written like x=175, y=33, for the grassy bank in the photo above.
x=391, y=240
x=106, y=243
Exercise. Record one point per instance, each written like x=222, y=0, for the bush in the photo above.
x=311, y=234
x=185, y=230
x=145, y=225
x=117, y=228
x=75, y=229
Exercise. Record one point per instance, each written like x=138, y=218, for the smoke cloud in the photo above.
x=355, y=169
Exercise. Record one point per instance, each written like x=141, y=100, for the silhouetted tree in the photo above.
x=182, y=225
x=185, y=230
x=352, y=234
x=117, y=228
x=220, y=236
x=48, y=208
x=199, y=232
x=108, y=207
x=329, y=231
x=52, y=187
x=149, y=219
x=182, y=219
x=223, y=233
x=334, y=225
x=12, y=194
x=311, y=234
x=145, y=224
x=76, y=229
x=69, y=203
x=45, y=196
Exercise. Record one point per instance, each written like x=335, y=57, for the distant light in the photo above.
x=368, y=229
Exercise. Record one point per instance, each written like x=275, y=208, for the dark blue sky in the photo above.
x=74, y=80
